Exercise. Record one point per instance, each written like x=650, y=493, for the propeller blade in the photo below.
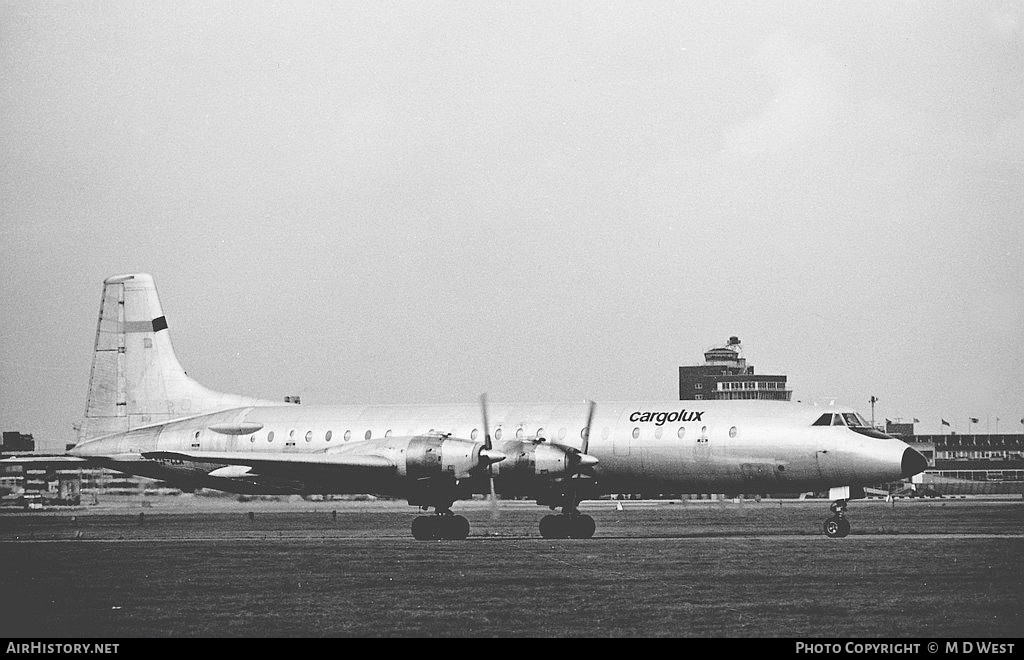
x=494, y=500
x=488, y=448
x=590, y=420
x=487, y=427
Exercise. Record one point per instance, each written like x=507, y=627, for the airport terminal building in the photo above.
x=979, y=464
x=725, y=374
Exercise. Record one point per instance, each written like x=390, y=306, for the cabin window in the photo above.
x=561, y=433
x=584, y=432
x=348, y=435
x=270, y=437
x=681, y=432
x=473, y=434
x=636, y=432
x=387, y=434
x=540, y=432
x=327, y=436
x=368, y=434
x=703, y=431
x=252, y=438
x=497, y=433
x=824, y=420
x=657, y=432
x=732, y=432
x=519, y=433
x=309, y=436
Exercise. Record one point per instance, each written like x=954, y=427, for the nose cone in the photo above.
x=913, y=462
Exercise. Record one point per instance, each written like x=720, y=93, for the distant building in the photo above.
x=15, y=441
x=899, y=428
x=726, y=375
x=973, y=463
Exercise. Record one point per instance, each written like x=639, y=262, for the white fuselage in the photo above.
x=642, y=446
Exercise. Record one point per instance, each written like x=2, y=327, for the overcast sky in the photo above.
x=418, y=202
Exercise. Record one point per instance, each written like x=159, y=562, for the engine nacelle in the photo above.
x=528, y=461
x=432, y=456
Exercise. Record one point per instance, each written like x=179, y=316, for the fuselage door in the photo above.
x=828, y=468
x=621, y=441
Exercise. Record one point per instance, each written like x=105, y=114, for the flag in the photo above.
x=945, y=423
x=974, y=420
x=917, y=421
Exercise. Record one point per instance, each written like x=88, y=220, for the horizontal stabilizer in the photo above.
x=56, y=459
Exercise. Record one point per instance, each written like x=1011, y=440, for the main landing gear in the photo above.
x=571, y=524
x=442, y=525
x=837, y=526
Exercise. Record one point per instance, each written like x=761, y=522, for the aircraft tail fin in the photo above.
x=136, y=378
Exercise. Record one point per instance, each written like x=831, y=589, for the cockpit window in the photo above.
x=854, y=420
x=851, y=419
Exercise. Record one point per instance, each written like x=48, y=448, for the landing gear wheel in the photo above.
x=836, y=527
x=553, y=527
x=443, y=526
x=455, y=528
x=423, y=528
x=581, y=526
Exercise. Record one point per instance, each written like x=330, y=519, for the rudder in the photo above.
x=136, y=378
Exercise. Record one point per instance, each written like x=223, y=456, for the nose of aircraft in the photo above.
x=913, y=462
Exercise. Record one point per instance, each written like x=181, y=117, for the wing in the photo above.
x=358, y=469
x=276, y=461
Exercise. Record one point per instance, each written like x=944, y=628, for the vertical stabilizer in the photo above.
x=136, y=378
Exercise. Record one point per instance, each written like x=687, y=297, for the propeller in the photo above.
x=488, y=448
x=581, y=460
x=590, y=420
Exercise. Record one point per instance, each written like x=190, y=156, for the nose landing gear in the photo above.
x=837, y=526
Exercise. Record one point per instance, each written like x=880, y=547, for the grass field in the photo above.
x=681, y=570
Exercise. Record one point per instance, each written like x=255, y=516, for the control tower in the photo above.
x=725, y=374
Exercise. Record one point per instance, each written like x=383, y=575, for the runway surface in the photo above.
x=190, y=567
